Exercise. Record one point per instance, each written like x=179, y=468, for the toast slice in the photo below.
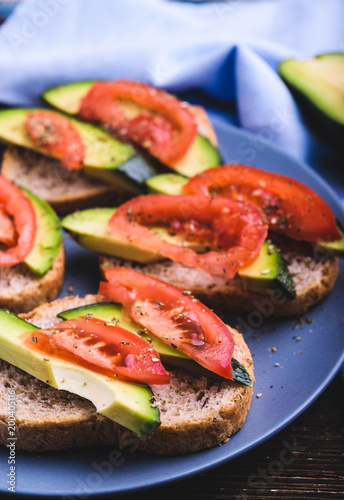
x=196, y=412
x=21, y=289
x=65, y=190
x=314, y=278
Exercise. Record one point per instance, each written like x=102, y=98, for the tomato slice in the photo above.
x=19, y=217
x=56, y=135
x=102, y=347
x=233, y=231
x=290, y=207
x=174, y=316
x=159, y=123
x=7, y=229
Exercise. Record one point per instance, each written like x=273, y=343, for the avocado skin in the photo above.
x=109, y=311
x=127, y=403
x=317, y=118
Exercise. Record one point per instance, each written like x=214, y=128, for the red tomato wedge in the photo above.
x=56, y=135
x=174, y=316
x=160, y=123
x=102, y=347
x=19, y=224
x=290, y=207
x=233, y=231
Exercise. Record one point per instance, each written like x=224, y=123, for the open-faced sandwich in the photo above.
x=73, y=164
x=31, y=249
x=143, y=363
x=237, y=237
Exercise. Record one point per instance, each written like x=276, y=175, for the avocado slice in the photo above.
x=126, y=403
x=109, y=311
x=318, y=86
x=335, y=248
x=166, y=184
x=105, y=157
x=90, y=229
x=48, y=236
x=268, y=272
x=200, y=156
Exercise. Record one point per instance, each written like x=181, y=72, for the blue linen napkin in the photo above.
x=228, y=51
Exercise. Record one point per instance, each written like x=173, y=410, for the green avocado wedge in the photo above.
x=318, y=86
x=335, y=248
x=90, y=229
x=200, y=156
x=268, y=272
x=48, y=237
x=108, y=311
x=123, y=402
x=105, y=157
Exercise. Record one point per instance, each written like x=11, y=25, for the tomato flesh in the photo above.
x=161, y=124
x=18, y=224
x=174, y=316
x=102, y=347
x=290, y=207
x=55, y=135
x=234, y=232
x=7, y=229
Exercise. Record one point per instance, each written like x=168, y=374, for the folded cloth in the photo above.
x=223, y=53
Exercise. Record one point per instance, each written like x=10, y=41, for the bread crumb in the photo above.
x=259, y=395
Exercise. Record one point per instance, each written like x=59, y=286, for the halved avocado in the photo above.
x=200, y=155
x=318, y=86
x=105, y=157
x=127, y=403
x=90, y=229
x=48, y=236
x=108, y=311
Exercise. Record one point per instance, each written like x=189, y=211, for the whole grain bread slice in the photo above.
x=21, y=289
x=65, y=190
x=196, y=412
x=314, y=278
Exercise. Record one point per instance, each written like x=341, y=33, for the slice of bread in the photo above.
x=21, y=289
x=65, y=190
x=196, y=412
x=314, y=279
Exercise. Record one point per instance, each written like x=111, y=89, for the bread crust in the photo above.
x=54, y=420
x=21, y=289
x=229, y=296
